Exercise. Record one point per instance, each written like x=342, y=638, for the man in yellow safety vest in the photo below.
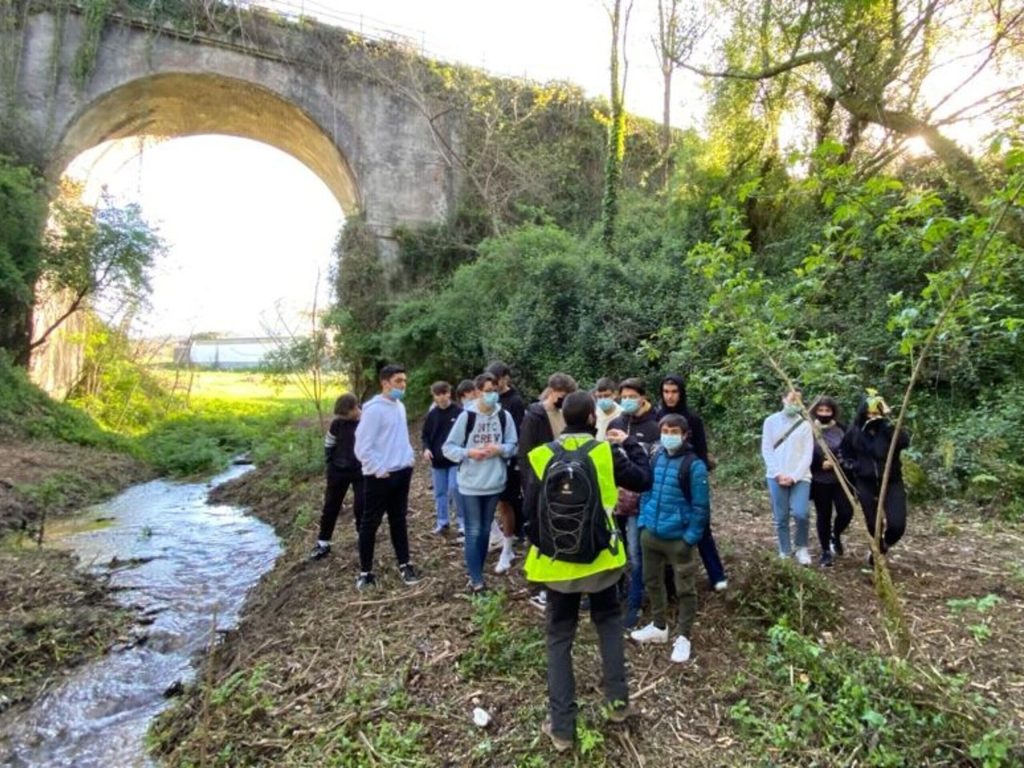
x=575, y=549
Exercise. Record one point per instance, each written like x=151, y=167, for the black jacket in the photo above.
x=818, y=473
x=644, y=428
x=534, y=430
x=340, y=446
x=511, y=401
x=436, y=427
x=697, y=436
x=865, y=447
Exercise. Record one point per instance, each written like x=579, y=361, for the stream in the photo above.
x=182, y=563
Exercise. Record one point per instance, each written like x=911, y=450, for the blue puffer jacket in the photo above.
x=665, y=512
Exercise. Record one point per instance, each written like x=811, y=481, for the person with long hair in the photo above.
x=826, y=490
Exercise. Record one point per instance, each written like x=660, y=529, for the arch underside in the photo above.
x=173, y=105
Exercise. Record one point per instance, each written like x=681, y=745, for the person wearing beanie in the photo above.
x=617, y=461
x=673, y=400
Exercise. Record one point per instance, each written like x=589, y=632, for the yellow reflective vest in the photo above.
x=541, y=568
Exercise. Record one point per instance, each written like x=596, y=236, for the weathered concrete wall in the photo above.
x=371, y=146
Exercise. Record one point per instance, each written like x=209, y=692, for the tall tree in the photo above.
x=680, y=27
x=97, y=253
x=872, y=58
x=618, y=62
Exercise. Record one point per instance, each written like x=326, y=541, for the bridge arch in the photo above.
x=173, y=105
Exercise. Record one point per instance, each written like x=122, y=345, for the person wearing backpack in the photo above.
x=481, y=442
x=673, y=516
x=343, y=471
x=640, y=423
x=575, y=549
x=787, y=447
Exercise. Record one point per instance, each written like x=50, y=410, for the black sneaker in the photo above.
x=366, y=581
x=320, y=551
x=825, y=561
x=409, y=574
x=837, y=545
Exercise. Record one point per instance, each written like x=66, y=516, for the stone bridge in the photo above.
x=72, y=81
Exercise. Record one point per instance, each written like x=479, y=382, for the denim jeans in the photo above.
x=708, y=551
x=446, y=493
x=630, y=532
x=792, y=501
x=479, y=516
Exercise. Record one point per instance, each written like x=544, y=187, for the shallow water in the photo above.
x=204, y=560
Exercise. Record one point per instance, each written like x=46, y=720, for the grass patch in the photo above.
x=773, y=590
x=833, y=705
x=500, y=648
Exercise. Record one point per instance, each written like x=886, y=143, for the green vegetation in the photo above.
x=830, y=704
x=501, y=649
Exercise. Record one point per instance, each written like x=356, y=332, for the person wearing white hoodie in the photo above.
x=787, y=446
x=385, y=452
x=608, y=410
x=481, y=442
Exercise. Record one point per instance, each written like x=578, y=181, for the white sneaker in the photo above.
x=783, y=555
x=721, y=586
x=540, y=600
x=681, y=650
x=650, y=634
x=803, y=556
x=507, y=556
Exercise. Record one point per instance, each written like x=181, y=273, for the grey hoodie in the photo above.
x=481, y=477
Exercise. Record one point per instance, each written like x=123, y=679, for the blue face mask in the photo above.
x=491, y=399
x=672, y=442
x=397, y=392
x=630, y=404
x=791, y=409
x=605, y=404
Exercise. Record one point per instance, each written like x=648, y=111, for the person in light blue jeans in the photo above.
x=443, y=473
x=787, y=446
x=481, y=442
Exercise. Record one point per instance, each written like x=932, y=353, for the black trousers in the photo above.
x=338, y=483
x=385, y=496
x=563, y=612
x=826, y=497
x=894, y=507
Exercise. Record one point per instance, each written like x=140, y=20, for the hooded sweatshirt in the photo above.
x=697, y=437
x=382, y=437
x=481, y=477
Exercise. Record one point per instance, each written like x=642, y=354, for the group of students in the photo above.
x=798, y=469
x=643, y=467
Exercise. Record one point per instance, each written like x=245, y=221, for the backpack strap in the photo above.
x=684, y=476
x=470, y=423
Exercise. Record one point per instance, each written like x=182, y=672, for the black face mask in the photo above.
x=558, y=403
x=824, y=419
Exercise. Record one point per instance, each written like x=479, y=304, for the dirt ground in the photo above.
x=52, y=615
x=319, y=674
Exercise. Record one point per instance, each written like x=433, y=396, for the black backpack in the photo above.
x=572, y=524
